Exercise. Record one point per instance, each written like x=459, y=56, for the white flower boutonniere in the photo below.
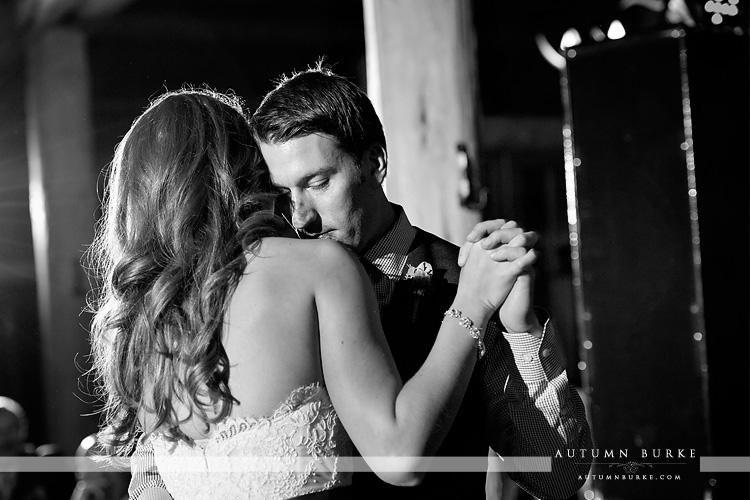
x=420, y=275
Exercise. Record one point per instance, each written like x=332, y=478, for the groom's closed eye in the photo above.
x=319, y=183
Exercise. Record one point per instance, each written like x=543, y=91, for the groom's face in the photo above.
x=332, y=195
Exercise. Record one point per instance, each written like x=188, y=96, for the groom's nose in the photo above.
x=303, y=212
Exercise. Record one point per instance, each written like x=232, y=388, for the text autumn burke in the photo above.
x=643, y=453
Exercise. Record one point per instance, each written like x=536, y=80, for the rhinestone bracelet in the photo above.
x=469, y=325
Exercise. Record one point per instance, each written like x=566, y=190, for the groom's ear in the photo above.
x=375, y=163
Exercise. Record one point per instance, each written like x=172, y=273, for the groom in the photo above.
x=325, y=148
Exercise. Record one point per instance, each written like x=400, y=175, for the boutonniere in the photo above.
x=420, y=276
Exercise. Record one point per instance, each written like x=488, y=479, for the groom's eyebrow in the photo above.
x=323, y=171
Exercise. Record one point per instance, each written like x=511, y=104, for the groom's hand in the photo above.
x=517, y=311
x=494, y=234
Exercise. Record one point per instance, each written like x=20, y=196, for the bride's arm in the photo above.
x=384, y=417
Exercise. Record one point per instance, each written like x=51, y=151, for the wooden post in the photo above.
x=63, y=203
x=421, y=76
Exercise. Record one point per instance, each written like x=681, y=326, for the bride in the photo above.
x=200, y=279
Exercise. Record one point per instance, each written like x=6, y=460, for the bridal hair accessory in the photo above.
x=469, y=325
x=420, y=275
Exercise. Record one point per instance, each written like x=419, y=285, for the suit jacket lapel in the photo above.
x=409, y=320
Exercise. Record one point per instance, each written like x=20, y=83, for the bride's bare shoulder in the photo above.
x=314, y=255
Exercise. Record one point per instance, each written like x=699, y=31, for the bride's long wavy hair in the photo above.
x=187, y=200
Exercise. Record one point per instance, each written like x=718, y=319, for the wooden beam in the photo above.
x=421, y=76
x=63, y=204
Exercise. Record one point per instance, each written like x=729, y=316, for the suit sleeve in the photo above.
x=145, y=481
x=533, y=411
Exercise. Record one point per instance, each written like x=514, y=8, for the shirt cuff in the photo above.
x=537, y=359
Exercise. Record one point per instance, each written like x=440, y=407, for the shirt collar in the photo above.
x=389, y=253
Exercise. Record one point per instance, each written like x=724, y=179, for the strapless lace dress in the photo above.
x=297, y=450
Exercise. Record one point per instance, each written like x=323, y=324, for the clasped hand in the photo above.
x=512, y=251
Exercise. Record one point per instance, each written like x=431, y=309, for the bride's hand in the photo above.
x=488, y=276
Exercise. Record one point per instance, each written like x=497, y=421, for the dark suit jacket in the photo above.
x=411, y=321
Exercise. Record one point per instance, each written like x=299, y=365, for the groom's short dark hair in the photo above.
x=318, y=101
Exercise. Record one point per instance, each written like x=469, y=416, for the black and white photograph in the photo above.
x=374, y=249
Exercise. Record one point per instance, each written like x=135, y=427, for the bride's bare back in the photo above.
x=271, y=328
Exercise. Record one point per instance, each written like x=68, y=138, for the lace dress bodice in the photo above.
x=295, y=451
